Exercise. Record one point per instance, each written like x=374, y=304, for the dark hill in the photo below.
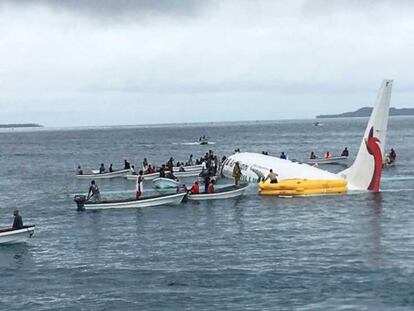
x=366, y=112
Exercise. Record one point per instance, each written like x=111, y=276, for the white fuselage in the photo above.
x=255, y=165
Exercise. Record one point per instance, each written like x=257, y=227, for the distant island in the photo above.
x=6, y=126
x=366, y=112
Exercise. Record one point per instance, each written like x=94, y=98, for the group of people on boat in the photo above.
x=103, y=170
x=328, y=154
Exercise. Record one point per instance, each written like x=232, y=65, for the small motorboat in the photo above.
x=165, y=183
x=94, y=174
x=220, y=194
x=318, y=124
x=303, y=187
x=333, y=160
x=10, y=235
x=203, y=140
x=171, y=199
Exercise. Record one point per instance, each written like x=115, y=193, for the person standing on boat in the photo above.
x=18, y=221
x=327, y=155
x=102, y=169
x=139, y=186
x=170, y=164
x=93, y=192
x=162, y=171
x=145, y=166
x=237, y=173
x=127, y=165
x=345, y=152
x=190, y=160
x=110, y=168
x=272, y=176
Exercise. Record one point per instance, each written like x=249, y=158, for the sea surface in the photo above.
x=350, y=252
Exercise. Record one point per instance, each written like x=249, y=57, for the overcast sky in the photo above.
x=102, y=62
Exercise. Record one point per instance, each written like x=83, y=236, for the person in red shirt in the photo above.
x=195, y=189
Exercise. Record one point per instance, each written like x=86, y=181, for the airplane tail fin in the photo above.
x=365, y=172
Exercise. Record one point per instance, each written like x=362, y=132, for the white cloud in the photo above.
x=290, y=58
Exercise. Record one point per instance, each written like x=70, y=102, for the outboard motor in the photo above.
x=80, y=201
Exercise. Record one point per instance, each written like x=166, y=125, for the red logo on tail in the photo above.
x=374, y=148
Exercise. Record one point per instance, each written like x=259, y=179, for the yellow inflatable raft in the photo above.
x=293, y=187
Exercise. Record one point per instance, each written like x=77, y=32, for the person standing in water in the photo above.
x=139, y=186
x=237, y=173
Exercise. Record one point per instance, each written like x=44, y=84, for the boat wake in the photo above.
x=195, y=143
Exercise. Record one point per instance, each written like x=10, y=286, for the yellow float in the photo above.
x=301, y=187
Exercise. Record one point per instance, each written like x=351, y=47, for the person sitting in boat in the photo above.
x=93, y=192
x=182, y=169
x=283, y=155
x=272, y=176
x=327, y=155
x=79, y=170
x=127, y=165
x=183, y=188
x=393, y=155
x=145, y=166
x=18, y=221
x=170, y=175
x=139, y=185
x=152, y=169
x=162, y=171
x=190, y=160
x=210, y=188
x=102, y=169
x=345, y=152
x=195, y=188
x=111, y=168
x=312, y=155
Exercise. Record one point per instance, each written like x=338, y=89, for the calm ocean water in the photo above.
x=353, y=252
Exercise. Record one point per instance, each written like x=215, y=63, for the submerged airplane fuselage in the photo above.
x=363, y=174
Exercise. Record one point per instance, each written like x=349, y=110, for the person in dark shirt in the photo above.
x=110, y=168
x=162, y=171
x=102, y=169
x=345, y=152
x=18, y=221
x=127, y=165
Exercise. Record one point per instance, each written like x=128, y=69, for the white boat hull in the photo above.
x=191, y=168
x=16, y=236
x=322, y=161
x=168, y=199
x=121, y=173
x=219, y=195
x=147, y=177
x=165, y=183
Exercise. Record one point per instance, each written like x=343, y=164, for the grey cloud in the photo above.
x=118, y=9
